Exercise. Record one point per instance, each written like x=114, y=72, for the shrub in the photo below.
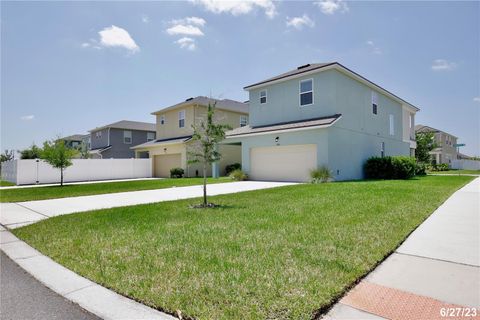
x=399, y=167
x=421, y=169
x=238, y=175
x=232, y=167
x=439, y=167
x=320, y=175
x=176, y=173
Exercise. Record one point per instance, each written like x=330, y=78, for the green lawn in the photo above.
x=457, y=172
x=4, y=183
x=283, y=253
x=75, y=190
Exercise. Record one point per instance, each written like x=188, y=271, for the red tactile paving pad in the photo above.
x=397, y=304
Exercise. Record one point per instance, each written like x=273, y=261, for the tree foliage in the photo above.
x=58, y=155
x=206, y=136
x=425, y=144
x=7, y=155
x=33, y=152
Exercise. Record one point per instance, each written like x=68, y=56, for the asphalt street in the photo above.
x=22, y=297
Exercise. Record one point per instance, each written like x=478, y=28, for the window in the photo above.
x=181, y=119
x=382, y=149
x=98, y=134
x=374, y=102
x=392, y=129
x=150, y=136
x=243, y=121
x=306, y=92
x=162, y=119
x=127, y=137
x=263, y=96
x=411, y=121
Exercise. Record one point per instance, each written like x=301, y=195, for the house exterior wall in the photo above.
x=445, y=152
x=170, y=128
x=114, y=138
x=346, y=145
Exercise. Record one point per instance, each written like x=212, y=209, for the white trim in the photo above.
x=374, y=101
x=243, y=116
x=342, y=69
x=300, y=93
x=391, y=121
x=266, y=96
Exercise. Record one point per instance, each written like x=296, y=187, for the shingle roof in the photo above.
x=299, y=70
x=129, y=125
x=292, y=125
x=225, y=104
x=162, y=141
x=75, y=137
x=424, y=128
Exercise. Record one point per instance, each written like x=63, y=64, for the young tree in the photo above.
x=206, y=136
x=7, y=155
x=58, y=155
x=83, y=150
x=33, y=152
x=425, y=144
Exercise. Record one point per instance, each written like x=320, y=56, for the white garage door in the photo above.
x=283, y=163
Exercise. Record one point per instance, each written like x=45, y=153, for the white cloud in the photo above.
x=375, y=49
x=332, y=6
x=190, y=20
x=300, y=22
x=187, y=43
x=476, y=99
x=27, y=118
x=188, y=30
x=238, y=7
x=443, y=65
x=145, y=19
x=117, y=37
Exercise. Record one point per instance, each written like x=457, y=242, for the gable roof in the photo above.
x=75, y=137
x=128, y=125
x=319, y=67
x=160, y=142
x=225, y=104
x=314, y=123
x=424, y=128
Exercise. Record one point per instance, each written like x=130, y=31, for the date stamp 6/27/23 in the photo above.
x=459, y=312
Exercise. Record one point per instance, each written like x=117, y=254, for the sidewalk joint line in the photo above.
x=90, y=285
x=17, y=203
x=442, y=260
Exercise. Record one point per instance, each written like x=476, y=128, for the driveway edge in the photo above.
x=92, y=297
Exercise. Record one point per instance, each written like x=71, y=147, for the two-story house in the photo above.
x=446, y=150
x=115, y=140
x=174, y=131
x=76, y=140
x=321, y=114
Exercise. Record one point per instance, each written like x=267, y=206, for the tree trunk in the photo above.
x=205, y=184
x=61, y=177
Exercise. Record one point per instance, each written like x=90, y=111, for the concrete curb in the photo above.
x=92, y=297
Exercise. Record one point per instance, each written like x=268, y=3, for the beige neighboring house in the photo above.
x=174, y=133
x=446, y=151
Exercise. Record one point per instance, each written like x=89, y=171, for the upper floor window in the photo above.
x=263, y=96
x=392, y=121
x=98, y=134
x=306, y=92
x=127, y=137
x=382, y=149
x=150, y=136
x=181, y=119
x=243, y=121
x=412, y=121
x=374, y=102
x=162, y=119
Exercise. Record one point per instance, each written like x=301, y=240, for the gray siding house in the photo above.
x=116, y=139
x=321, y=115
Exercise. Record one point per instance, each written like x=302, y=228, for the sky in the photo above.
x=68, y=67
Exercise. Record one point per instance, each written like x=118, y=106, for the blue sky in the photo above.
x=69, y=67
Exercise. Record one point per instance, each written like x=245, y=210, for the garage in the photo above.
x=163, y=163
x=283, y=163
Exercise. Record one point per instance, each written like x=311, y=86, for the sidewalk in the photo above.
x=438, y=266
x=74, y=183
x=14, y=215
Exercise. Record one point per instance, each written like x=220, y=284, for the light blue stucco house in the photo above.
x=321, y=114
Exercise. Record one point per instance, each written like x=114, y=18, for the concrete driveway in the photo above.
x=14, y=215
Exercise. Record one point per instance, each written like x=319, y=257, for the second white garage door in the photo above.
x=283, y=163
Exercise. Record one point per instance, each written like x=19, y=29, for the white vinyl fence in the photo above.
x=466, y=164
x=38, y=171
